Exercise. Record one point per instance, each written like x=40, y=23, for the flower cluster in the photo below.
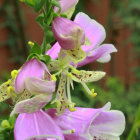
x=34, y=85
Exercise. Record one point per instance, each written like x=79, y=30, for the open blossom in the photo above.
x=33, y=80
x=91, y=124
x=94, y=36
x=68, y=34
x=83, y=124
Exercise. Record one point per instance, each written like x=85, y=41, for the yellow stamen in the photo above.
x=93, y=93
x=73, y=130
x=71, y=107
x=10, y=92
x=14, y=74
x=53, y=77
x=5, y=124
x=31, y=43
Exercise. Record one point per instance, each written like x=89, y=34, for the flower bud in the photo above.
x=68, y=34
x=5, y=124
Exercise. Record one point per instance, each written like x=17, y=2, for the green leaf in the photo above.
x=47, y=58
x=44, y=58
x=49, y=36
x=30, y=2
x=40, y=20
x=38, y=5
x=35, y=49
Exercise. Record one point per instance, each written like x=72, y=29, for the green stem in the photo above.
x=135, y=125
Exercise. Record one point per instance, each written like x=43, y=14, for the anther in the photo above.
x=14, y=74
x=71, y=108
x=31, y=43
x=69, y=131
x=53, y=77
x=93, y=93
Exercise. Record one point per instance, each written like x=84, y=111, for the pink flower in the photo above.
x=35, y=86
x=83, y=124
x=95, y=35
x=36, y=126
x=67, y=7
x=68, y=34
x=91, y=124
x=35, y=77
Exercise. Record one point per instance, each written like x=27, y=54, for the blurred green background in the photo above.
x=121, y=87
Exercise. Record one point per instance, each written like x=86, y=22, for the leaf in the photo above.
x=35, y=49
x=38, y=5
x=30, y=2
x=40, y=20
x=49, y=36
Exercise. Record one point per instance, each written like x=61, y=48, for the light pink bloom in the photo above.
x=66, y=6
x=91, y=124
x=68, y=34
x=35, y=77
x=36, y=126
x=95, y=34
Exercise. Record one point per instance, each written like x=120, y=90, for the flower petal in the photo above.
x=108, y=125
x=38, y=86
x=78, y=120
x=36, y=126
x=68, y=34
x=31, y=105
x=66, y=6
x=100, y=52
x=94, y=31
x=32, y=68
x=86, y=76
x=100, y=123
x=61, y=100
x=54, y=51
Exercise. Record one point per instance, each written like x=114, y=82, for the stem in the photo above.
x=86, y=88
x=68, y=89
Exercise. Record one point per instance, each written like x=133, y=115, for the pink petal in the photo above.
x=31, y=105
x=68, y=34
x=38, y=86
x=32, y=68
x=108, y=125
x=54, y=51
x=100, y=52
x=89, y=123
x=66, y=5
x=78, y=120
x=94, y=31
x=36, y=126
